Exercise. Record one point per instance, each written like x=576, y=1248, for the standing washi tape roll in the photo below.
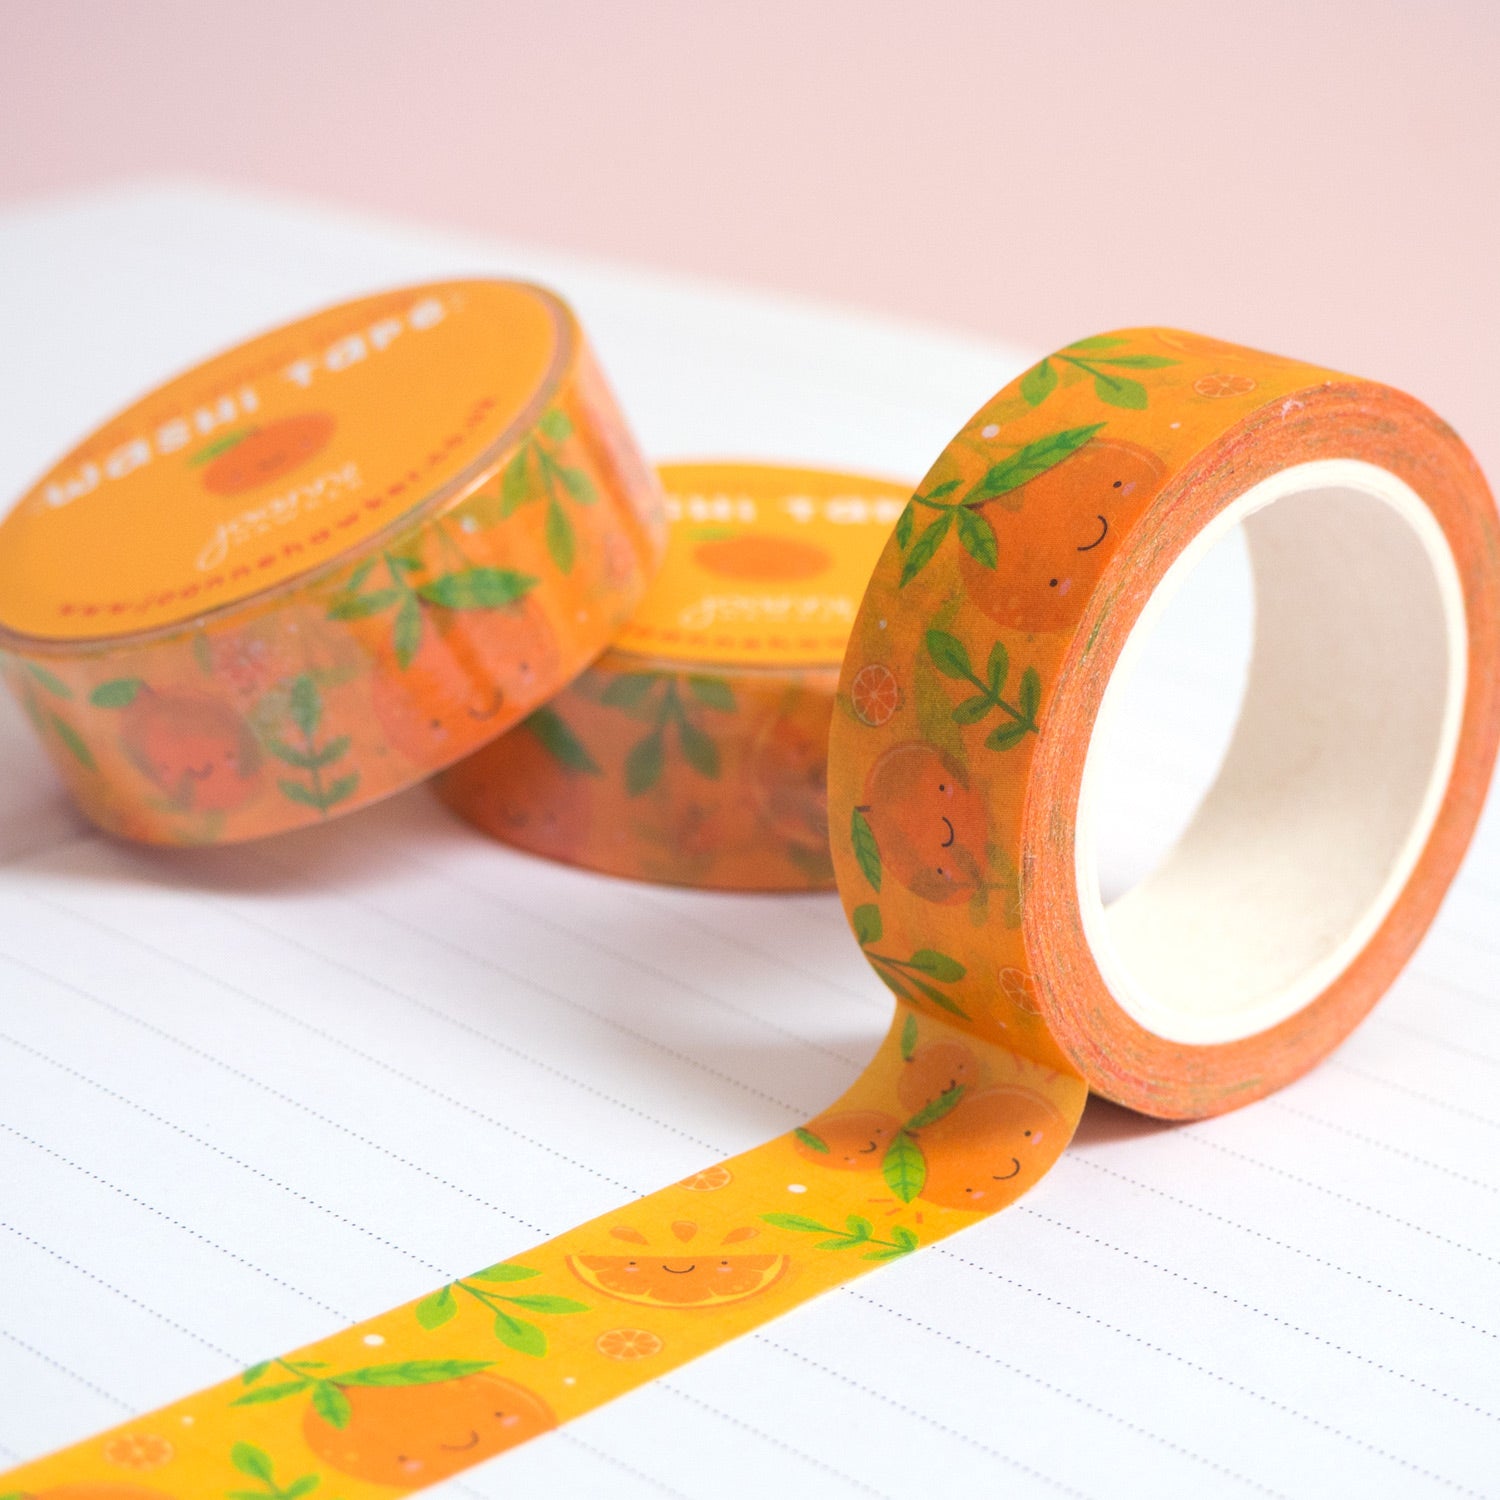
x=695, y=750
x=325, y=564
x=1004, y=607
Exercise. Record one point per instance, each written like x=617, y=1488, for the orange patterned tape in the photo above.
x=695, y=751
x=998, y=608
x=325, y=564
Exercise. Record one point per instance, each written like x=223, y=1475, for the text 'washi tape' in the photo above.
x=695, y=750
x=1004, y=607
x=323, y=565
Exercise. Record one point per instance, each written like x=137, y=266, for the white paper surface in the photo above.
x=250, y=1095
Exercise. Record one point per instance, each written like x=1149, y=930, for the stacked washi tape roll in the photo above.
x=412, y=536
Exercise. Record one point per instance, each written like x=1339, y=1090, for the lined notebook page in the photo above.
x=248, y=1096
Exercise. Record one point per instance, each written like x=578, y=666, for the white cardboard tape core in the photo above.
x=1333, y=780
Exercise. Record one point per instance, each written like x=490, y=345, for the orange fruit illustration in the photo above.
x=1055, y=534
x=930, y=827
x=991, y=1147
x=766, y=559
x=412, y=1435
x=788, y=775
x=1020, y=989
x=709, y=1278
x=268, y=453
x=516, y=787
x=138, y=1450
x=874, y=695
x=710, y=1180
x=932, y=1070
x=197, y=750
x=628, y=1343
x=474, y=669
x=856, y=1140
x=1218, y=385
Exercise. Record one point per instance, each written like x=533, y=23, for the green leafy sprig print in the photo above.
x=47, y=719
x=305, y=709
x=657, y=700
x=514, y=1332
x=327, y=1391
x=1095, y=358
x=537, y=474
x=855, y=1235
x=866, y=850
x=951, y=657
x=255, y=1463
x=910, y=979
x=404, y=596
x=975, y=534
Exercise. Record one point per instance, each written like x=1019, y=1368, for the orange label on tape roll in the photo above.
x=326, y=563
x=695, y=750
x=1013, y=588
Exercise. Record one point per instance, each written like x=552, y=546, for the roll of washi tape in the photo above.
x=1013, y=591
x=325, y=564
x=694, y=751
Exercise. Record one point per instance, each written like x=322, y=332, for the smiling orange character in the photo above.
x=930, y=827
x=706, y=1277
x=412, y=1435
x=1074, y=515
x=991, y=1147
x=197, y=750
x=472, y=670
x=935, y=1069
x=851, y=1142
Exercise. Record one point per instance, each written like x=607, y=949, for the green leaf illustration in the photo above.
x=331, y=1404
x=414, y=1372
x=937, y=965
x=908, y=1038
x=997, y=669
x=796, y=1222
x=904, y=1167
x=561, y=743
x=698, y=750
x=478, y=588
x=560, y=540
x=556, y=425
x=1034, y=459
x=925, y=546
x=1116, y=390
x=935, y=1109
x=504, y=1271
x=277, y=1392
x=811, y=1141
x=353, y=606
x=867, y=924
x=300, y=1487
x=406, y=632
x=437, y=1309
x=949, y=654
x=643, y=765
x=306, y=705
x=977, y=536
x=518, y=1334
x=513, y=489
x=972, y=710
x=904, y=523
x=1099, y=341
x=252, y=1461
x=554, y=1306
x=1030, y=698
x=1136, y=361
x=309, y=760
x=629, y=690
x=119, y=692
x=1038, y=383
x=866, y=850
x=1007, y=736
x=219, y=445
x=74, y=741
x=255, y=1372
x=712, y=692
x=578, y=485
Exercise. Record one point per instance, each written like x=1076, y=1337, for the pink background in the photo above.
x=1318, y=178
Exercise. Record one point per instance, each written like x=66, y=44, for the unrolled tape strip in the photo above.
x=998, y=619
x=323, y=565
x=695, y=750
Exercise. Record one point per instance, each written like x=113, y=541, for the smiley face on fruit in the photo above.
x=413, y=1435
x=700, y=1276
x=198, y=750
x=1055, y=535
x=991, y=1147
x=931, y=827
x=853, y=1141
x=264, y=454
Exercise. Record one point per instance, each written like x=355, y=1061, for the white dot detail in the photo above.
x=990, y=430
x=796, y=1187
x=374, y=1339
